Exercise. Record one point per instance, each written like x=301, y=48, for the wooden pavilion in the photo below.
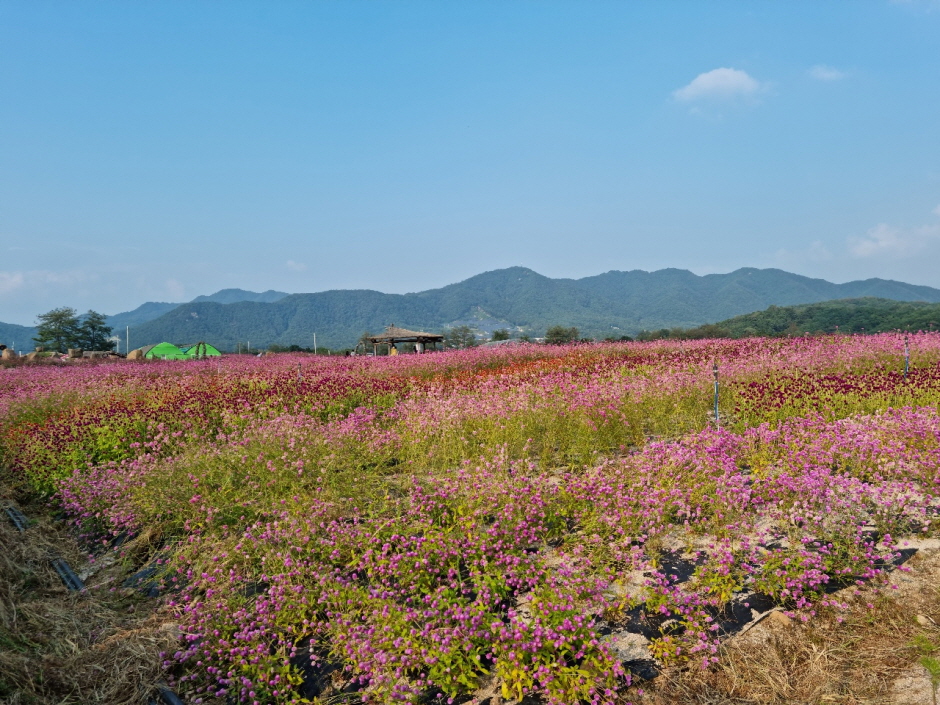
x=393, y=335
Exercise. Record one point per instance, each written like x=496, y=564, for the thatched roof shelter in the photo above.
x=394, y=334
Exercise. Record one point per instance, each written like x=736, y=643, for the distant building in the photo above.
x=394, y=335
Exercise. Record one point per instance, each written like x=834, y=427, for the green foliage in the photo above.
x=709, y=330
x=559, y=335
x=500, y=334
x=58, y=329
x=932, y=666
x=666, y=300
x=20, y=336
x=61, y=328
x=459, y=337
x=923, y=644
x=866, y=315
x=926, y=647
x=94, y=333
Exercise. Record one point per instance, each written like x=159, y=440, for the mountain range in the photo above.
x=12, y=333
x=606, y=305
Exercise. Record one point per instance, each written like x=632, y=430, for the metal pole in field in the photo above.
x=907, y=357
x=715, y=371
x=314, y=343
x=299, y=375
x=128, y=344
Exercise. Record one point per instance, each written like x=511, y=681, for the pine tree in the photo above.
x=94, y=334
x=59, y=329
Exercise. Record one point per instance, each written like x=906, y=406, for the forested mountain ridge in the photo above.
x=155, y=309
x=685, y=299
x=606, y=305
x=119, y=322
x=234, y=296
x=22, y=336
x=862, y=315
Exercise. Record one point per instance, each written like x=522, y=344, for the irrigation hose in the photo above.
x=72, y=581
x=169, y=697
x=75, y=584
x=16, y=516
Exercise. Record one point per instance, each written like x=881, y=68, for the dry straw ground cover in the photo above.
x=539, y=524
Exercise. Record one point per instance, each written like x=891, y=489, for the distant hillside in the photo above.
x=611, y=304
x=148, y=311
x=519, y=298
x=154, y=309
x=677, y=297
x=868, y=315
x=141, y=314
x=234, y=296
x=22, y=336
x=607, y=305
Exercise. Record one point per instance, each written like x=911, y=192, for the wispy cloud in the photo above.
x=816, y=253
x=885, y=250
x=821, y=72
x=175, y=289
x=719, y=84
x=296, y=266
x=11, y=281
x=889, y=241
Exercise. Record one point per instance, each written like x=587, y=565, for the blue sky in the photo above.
x=162, y=150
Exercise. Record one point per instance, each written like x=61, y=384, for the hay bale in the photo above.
x=8, y=354
x=75, y=353
x=137, y=354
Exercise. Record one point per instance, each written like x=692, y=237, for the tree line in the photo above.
x=466, y=337
x=63, y=328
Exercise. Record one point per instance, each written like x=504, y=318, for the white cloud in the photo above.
x=296, y=266
x=722, y=84
x=175, y=290
x=38, y=278
x=816, y=253
x=821, y=72
x=11, y=281
x=889, y=241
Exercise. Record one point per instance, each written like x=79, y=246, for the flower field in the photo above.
x=410, y=528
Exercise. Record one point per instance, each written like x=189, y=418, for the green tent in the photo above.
x=163, y=351
x=197, y=351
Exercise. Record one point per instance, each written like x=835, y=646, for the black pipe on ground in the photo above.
x=72, y=581
x=169, y=697
x=16, y=516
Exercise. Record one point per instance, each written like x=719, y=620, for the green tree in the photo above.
x=58, y=329
x=559, y=335
x=500, y=334
x=94, y=333
x=459, y=337
x=364, y=344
